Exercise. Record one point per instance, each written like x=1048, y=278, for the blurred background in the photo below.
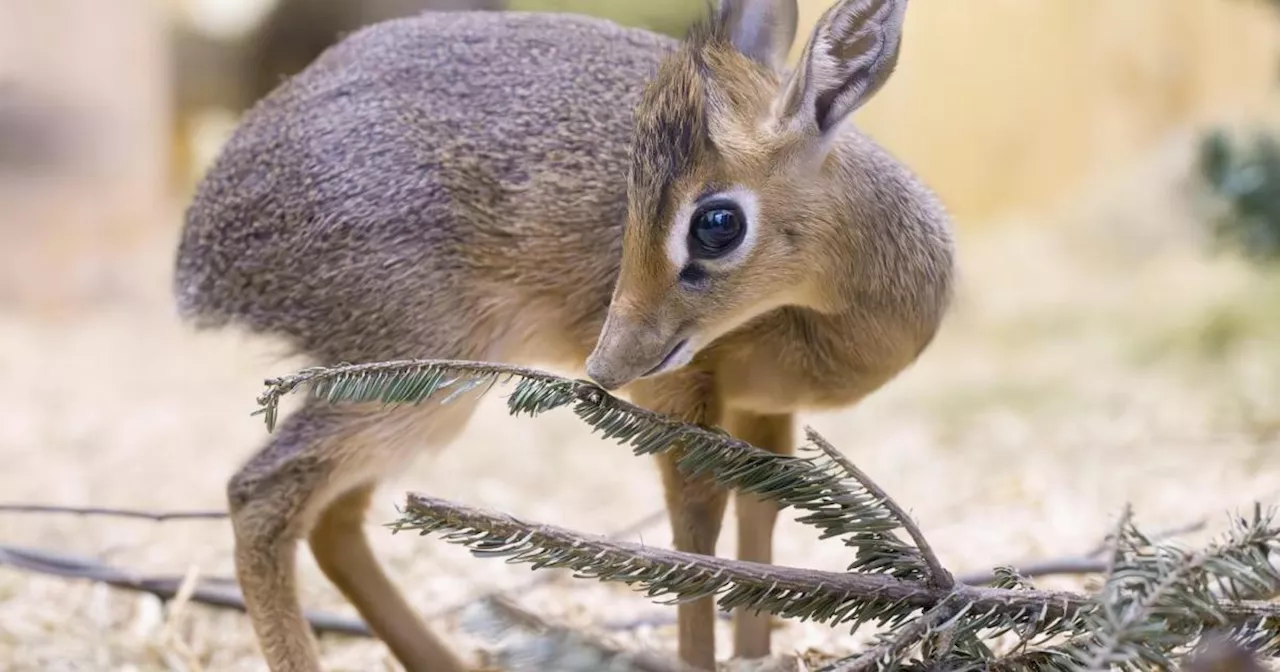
x=1116, y=337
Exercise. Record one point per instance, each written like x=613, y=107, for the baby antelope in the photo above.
x=690, y=222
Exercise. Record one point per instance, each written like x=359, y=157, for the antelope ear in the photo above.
x=851, y=54
x=762, y=30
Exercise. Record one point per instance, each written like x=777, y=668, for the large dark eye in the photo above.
x=716, y=228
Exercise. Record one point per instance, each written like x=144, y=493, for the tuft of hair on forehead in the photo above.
x=671, y=124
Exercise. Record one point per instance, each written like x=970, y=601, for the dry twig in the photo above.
x=212, y=593
x=1087, y=563
x=154, y=516
x=938, y=575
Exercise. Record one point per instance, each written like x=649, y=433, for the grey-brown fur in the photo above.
x=296, y=32
x=414, y=158
x=235, y=72
x=506, y=187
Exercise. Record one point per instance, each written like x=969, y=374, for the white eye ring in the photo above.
x=677, y=245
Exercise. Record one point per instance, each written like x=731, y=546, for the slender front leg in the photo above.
x=695, y=506
x=756, y=519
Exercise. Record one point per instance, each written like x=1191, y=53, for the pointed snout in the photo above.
x=628, y=349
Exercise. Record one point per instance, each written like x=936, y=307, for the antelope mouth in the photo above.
x=678, y=356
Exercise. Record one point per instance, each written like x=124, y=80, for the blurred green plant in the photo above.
x=1246, y=177
x=1160, y=606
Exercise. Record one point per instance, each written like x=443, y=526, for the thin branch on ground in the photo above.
x=211, y=593
x=163, y=516
x=938, y=575
x=1161, y=536
x=156, y=516
x=219, y=592
x=1087, y=563
x=1065, y=566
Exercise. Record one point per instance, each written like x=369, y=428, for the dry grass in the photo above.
x=1091, y=360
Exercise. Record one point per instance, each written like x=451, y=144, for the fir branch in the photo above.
x=413, y=381
x=1171, y=627
x=835, y=505
x=1056, y=658
x=541, y=579
x=937, y=574
x=892, y=646
x=834, y=598
x=1156, y=601
x=1262, y=578
x=1260, y=636
x=1158, y=597
x=1005, y=576
x=785, y=591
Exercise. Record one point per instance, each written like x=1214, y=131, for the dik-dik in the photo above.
x=691, y=223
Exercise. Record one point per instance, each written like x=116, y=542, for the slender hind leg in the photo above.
x=695, y=506
x=756, y=519
x=341, y=548
x=314, y=480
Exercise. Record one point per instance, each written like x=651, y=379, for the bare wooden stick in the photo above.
x=1054, y=567
x=214, y=594
x=1087, y=563
x=160, y=516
